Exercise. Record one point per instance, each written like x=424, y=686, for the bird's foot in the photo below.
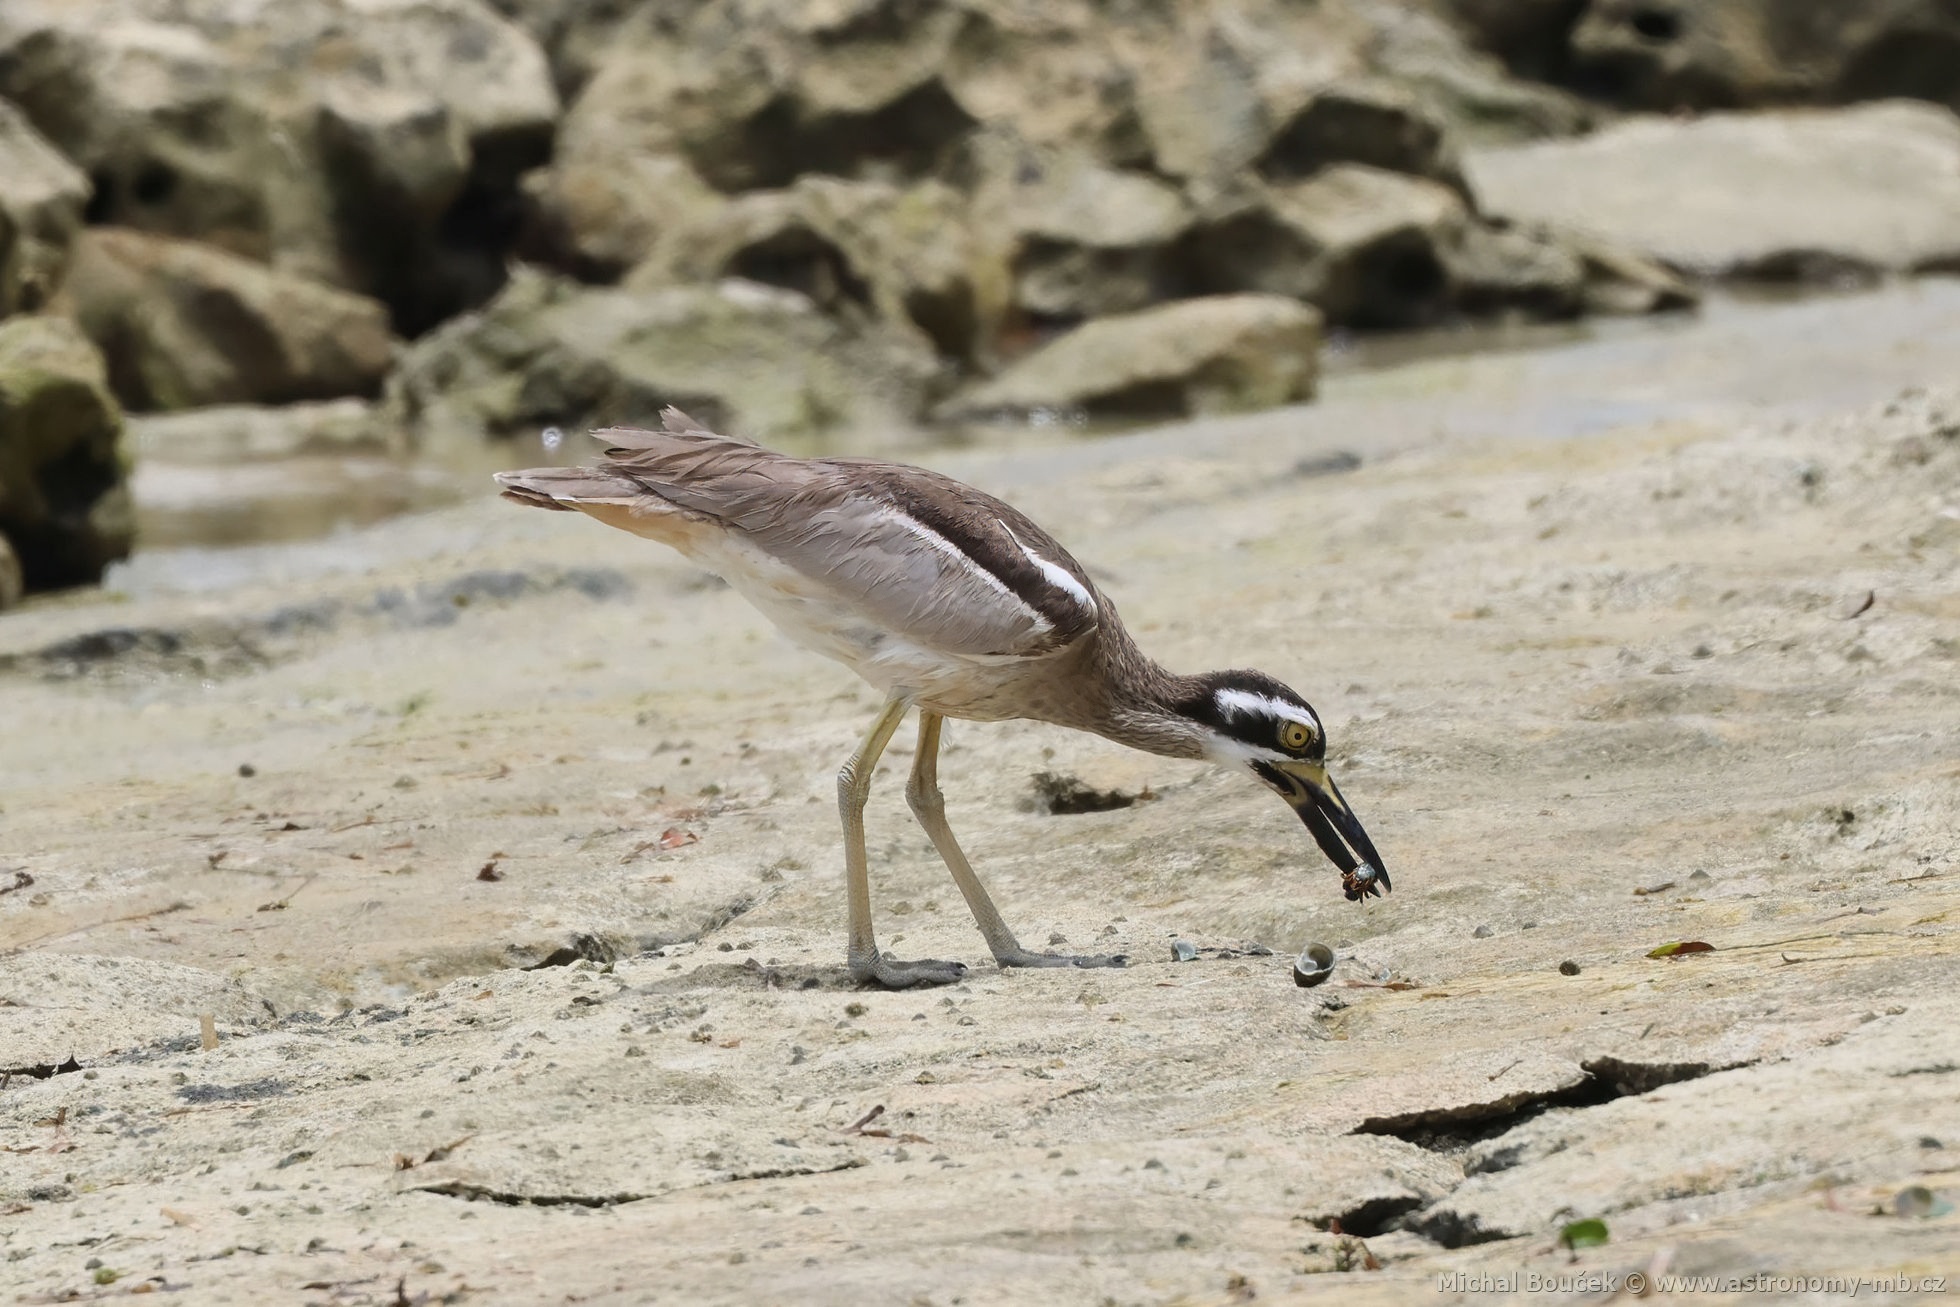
x=893, y=974
x=1021, y=957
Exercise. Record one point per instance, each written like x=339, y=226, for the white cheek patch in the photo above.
x=1236, y=703
x=1225, y=749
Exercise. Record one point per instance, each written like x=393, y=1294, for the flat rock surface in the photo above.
x=1874, y=187
x=1690, y=677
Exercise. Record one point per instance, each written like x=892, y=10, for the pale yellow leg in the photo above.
x=929, y=806
x=853, y=788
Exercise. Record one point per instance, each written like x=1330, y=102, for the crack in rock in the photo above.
x=1601, y=1080
x=1457, y=1128
x=484, y=1193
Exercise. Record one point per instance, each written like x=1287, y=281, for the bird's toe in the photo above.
x=1024, y=958
x=894, y=974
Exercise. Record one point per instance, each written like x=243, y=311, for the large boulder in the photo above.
x=1219, y=354
x=1079, y=239
x=1364, y=245
x=1773, y=194
x=185, y=325
x=904, y=257
x=1367, y=121
x=370, y=144
x=64, y=504
x=1672, y=54
x=12, y=584
x=42, y=196
x=741, y=356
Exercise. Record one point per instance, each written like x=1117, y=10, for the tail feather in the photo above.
x=673, y=423
x=565, y=488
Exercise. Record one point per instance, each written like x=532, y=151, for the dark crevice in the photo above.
x=1062, y=795
x=1657, y=25
x=1370, y=1217
x=483, y=1193
x=1457, y=1129
x=580, y=948
x=41, y=1070
x=1450, y=1129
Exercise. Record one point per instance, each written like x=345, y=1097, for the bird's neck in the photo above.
x=1151, y=714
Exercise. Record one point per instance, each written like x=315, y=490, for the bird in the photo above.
x=955, y=604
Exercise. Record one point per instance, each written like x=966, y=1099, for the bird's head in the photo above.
x=1250, y=719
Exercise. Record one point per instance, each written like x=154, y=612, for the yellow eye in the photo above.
x=1294, y=737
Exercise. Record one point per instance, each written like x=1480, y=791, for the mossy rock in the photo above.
x=64, y=499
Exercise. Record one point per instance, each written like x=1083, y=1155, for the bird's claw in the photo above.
x=1023, y=958
x=889, y=973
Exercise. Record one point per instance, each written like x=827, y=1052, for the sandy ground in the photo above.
x=1693, y=675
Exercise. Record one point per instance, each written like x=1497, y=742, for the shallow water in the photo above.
x=204, y=527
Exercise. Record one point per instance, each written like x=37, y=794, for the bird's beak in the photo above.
x=1313, y=794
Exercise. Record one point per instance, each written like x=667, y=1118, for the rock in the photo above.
x=1533, y=37
x=1474, y=92
x=1081, y=240
x=64, y=506
x=1363, y=245
x=247, y=433
x=1493, y=268
x=41, y=200
x=370, y=144
x=185, y=325
x=575, y=34
x=1220, y=354
x=12, y=585
x=605, y=206
x=863, y=252
x=1668, y=54
x=741, y=356
x=792, y=88
x=1776, y=194
x=1371, y=122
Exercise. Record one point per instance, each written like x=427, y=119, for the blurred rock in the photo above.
x=11, y=584
x=64, y=507
x=1798, y=194
x=1714, y=54
x=1081, y=240
x=41, y=200
x=186, y=325
x=740, y=356
x=1220, y=354
x=1363, y=245
x=605, y=206
x=1533, y=37
x=370, y=144
x=1498, y=268
x=1474, y=92
x=1369, y=122
x=248, y=433
x=575, y=34
x=861, y=251
x=788, y=88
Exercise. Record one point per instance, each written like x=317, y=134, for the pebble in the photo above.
x=1568, y=968
x=1183, y=950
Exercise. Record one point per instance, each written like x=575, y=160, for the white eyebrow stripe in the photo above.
x=1245, y=703
x=1055, y=572
x=942, y=545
